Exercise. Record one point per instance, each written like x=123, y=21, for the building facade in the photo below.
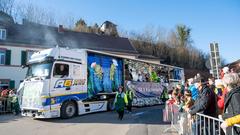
x=19, y=41
x=12, y=59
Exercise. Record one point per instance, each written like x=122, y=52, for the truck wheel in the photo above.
x=68, y=110
x=110, y=105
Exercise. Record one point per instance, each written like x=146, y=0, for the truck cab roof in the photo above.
x=66, y=54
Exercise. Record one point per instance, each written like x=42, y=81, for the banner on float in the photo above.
x=146, y=93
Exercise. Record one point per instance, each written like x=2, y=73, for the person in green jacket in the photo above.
x=130, y=96
x=120, y=102
x=14, y=101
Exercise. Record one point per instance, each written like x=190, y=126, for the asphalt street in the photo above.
x=142, y=121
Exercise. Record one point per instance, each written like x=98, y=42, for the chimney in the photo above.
x=60, y=29
x=25, y=22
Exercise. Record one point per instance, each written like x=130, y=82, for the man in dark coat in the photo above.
x=205, y=104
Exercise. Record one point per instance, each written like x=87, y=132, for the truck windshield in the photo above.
x=39, y=70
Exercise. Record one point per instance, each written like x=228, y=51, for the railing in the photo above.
x=180, y=123
x=207, y=125
x=199, y=125
x=5, y=105
x=170, y=114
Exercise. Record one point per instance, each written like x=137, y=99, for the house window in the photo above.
x=2, y=56
x=7, y=84
x=4, y=83
x=3, y=34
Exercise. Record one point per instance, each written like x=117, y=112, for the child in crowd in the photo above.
x=188, y=99
x=175, y=99
x=185, y=122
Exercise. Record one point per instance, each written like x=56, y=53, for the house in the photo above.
x=19, y=41
x=234, y=66
x=109, y=28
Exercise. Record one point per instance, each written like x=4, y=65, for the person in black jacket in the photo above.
x=231, y=103
x=205, y=104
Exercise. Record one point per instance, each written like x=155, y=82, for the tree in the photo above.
x=183, y=34
x=7, y=6
x=81, y=26
x=36, y=14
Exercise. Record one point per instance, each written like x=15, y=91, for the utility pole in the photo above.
x=215, y=59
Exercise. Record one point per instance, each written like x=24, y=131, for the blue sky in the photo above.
x=210, y=20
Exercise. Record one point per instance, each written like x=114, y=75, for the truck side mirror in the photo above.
x=23, y=66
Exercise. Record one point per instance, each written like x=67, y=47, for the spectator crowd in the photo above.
x=9, y=101
x=217, y=98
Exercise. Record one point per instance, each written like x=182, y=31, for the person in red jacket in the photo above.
x=220, y=101
x=5, y=93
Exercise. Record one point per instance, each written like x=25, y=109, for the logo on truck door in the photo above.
x=68, y=83
x=79, y=82
x=62, y=83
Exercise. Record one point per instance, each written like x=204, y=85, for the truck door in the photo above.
x=68, y=79
x=61, y=79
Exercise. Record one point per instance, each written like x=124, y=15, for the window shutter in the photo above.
x=8, y=57
x=12, y=84
x=24, y=58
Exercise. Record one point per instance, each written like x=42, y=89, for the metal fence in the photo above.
x=180, y=123
x=170, y=114
x=207, y=125
x=200, y=124
x=5, y=105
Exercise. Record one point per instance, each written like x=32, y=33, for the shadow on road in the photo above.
x=4, y=118
x=145, y=115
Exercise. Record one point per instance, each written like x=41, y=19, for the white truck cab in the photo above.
x=56, y=85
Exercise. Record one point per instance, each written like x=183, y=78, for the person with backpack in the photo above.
x=120, y=102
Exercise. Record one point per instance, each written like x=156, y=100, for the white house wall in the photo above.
x=14, y=71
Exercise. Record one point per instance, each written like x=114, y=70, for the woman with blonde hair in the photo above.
x=231, y=103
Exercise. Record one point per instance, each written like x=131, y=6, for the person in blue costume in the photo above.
x=193, y=89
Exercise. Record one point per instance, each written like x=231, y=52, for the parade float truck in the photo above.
x=62, y=82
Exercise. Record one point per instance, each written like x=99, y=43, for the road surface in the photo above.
x=143, y=121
